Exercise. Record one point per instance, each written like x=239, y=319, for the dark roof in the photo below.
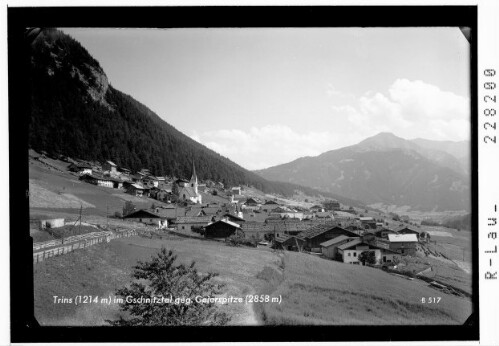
x=405, y=229
x=231, y=224
x=336, y=240
x=198, y=219
x=324, y=214
x=351, y=243
x=232, y=216
x=143, y=213
x=270, y=202
x=319, y=229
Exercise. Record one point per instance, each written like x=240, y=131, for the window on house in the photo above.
x=355, y=253
x=183, y=227
x=349, y=254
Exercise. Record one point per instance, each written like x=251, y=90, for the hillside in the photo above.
x=76, y=112
x=385, y=169
x=313, y=290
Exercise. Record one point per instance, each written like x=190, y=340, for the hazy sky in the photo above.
x=263, y=97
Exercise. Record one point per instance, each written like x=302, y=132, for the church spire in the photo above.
x=194, y=177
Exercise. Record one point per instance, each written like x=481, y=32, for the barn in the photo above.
x=221, y=229
x=321, y=233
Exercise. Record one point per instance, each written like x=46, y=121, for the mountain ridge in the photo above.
x=76, y=112
x=383, y=168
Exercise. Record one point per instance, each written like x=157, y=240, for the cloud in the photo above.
x=268, y=145
x=409, y=109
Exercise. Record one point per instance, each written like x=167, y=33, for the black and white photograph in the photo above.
x=245, y=176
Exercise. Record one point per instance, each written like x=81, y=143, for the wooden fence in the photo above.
x=80, y=241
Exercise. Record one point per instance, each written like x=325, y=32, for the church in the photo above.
x=188, y=190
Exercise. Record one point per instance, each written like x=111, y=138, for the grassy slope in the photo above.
x=317, y=291
x=314, y=290
x=56, y=183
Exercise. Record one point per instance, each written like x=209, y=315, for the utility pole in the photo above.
x=107, y=217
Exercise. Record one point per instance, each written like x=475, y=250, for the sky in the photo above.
x=267, y=96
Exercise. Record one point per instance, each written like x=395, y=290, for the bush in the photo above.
x=128, y=208
x=160, y=277
x=118, y=215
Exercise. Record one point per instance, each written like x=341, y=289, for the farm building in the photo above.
x=319, y=234
x=368, y=222
x=187, y=223
x=236, y=190
x=287, y=242
x=403, y=243
x=330, y=248
x=101, y=180
x=253, y=202
x=349, y=252
x=269, y=206
x=51, y=223
x=148, y=217
x=135, y=189
x=221, y=229
x=406, y=230
x=110, y=167
x=383, y=233
x=80, y=168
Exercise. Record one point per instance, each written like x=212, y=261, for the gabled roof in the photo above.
x=232, y=216
x=321, y=228
x=270, y=202
x=336, y=240
x=81, y=165
x=137, y=186
x=405, y=228
x=351, y=244
x=193, y=219
x=227, y=222
x=111, y=163
x=141, y=212
x=398, y=238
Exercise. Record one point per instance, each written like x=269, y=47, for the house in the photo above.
x=321, y=233
x=236, y=190
x=288, y=242
x=333, y=205
x=403, y=243
x=269, y=206
x=384, y=232
x=368, y=222
x=324, y=215
x=148, y=217
x=81, y=168
x=110, y=168
x=330, y=248
x=151, y=180
x=135, y=189
x=291, y=215
x=342, y=216
x=100, y=180
x=349, y=252
x=221, y=229
x=188, y=223
x=188, y=191
x=253, y=202
x=406, y=230
x=317, y=208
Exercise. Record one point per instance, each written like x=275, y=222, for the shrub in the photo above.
x=118, y=215
x=160, y=277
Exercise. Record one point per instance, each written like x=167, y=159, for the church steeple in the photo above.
x=194, y=178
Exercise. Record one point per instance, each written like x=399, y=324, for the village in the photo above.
x=330, y=230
